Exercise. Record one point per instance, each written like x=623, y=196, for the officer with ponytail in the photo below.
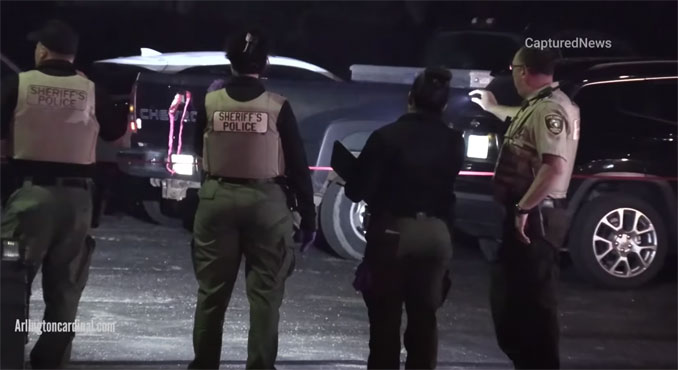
x=251, y=153
x=406, y=174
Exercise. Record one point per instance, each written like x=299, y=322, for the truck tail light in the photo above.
x=134, y=121
x=478, y=146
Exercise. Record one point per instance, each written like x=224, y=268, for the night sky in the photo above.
x=333, y=35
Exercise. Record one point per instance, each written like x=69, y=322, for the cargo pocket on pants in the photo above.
x=288, y=259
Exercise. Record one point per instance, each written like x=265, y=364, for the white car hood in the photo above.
x=176, y=62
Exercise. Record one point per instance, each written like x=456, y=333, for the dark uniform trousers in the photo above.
x=407, y=262
x=233, y=221
x=51, y=223
x=523, y=289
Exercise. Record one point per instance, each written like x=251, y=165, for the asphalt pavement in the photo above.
x=142, y=283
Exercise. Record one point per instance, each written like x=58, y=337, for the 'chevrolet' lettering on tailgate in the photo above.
x=163, y=115
x=247, y=122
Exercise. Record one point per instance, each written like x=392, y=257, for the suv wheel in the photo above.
x=618, y=241
x=341, y=222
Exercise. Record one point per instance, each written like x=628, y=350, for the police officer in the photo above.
x=51, y=117
x=252, y=150
x=531, y=181
x=406, y=174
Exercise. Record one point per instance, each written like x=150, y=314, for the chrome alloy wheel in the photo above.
x=625, y=243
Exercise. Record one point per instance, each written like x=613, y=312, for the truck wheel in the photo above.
x=618, y=241
x=341, y=222
x=155, y=212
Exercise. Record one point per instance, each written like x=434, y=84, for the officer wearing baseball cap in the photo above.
x=51, y=117
x=252, y=151
x=56, y=36
x=406, y=174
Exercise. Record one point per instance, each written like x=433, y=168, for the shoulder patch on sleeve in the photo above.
x=554, y=122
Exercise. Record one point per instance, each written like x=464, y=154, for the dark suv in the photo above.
x=623, y=192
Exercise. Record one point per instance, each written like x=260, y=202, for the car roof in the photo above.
x=629, y=70
x=177, y=62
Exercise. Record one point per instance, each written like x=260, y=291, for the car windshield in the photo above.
x=472, y=50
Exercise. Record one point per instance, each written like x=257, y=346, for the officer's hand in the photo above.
x=306, y=238
x=484, y=98
x=520, y=222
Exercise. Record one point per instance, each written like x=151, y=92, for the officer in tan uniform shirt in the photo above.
x=531, y=181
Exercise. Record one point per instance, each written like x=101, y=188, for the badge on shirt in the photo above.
x=554, y=123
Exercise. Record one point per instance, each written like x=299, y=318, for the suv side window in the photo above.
x=595, y=103
x=655, y=100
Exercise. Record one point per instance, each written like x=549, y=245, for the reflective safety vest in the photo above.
x=55, y=120
x=241, y=139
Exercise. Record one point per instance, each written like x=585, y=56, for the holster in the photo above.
x=555, y=221
x=289, y=194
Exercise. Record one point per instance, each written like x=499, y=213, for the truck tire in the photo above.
x=341, y=233
x=154, y=211
x=607, y=240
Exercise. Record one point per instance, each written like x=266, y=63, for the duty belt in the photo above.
x=73, y=182
x=244, y=181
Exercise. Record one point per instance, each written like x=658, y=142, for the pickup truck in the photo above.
x=622, y=198
x=327, y=109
